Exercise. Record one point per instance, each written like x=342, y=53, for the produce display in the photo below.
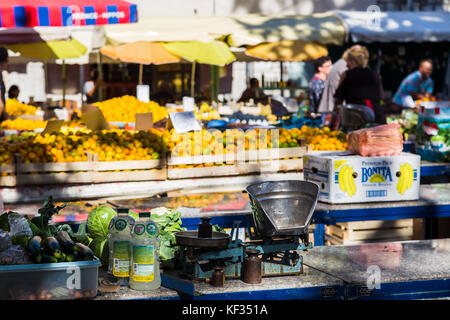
x=433, y=132
x=22, y=124
x=124, y=109
x=321, y=139
x=15, y=108
x=206, y=112
x=110, y=145
x=408, y=123
x=37, y=241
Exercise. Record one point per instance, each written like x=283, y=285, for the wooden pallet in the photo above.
x=92, y=171
x=249, y=161
x=370, y=231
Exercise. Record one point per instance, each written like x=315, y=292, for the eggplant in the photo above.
x=83, y=252
x=34, y=247
x=51, y=247
x=66, y=243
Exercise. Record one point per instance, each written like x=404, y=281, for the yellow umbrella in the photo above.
x=287, y=50
x=141, y=52
x=215, y=52
x=50, y=50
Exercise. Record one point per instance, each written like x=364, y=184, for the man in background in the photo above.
x=416, y=86
x=252, y=92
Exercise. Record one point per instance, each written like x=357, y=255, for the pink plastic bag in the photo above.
x=384, y=140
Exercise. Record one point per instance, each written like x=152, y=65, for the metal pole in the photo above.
x=141, y=71
x=100, y=75
x=64, y=83
x=193, y=79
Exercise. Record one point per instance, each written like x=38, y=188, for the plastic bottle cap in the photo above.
x=145, y=214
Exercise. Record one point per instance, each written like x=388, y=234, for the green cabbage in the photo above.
x=98, y=221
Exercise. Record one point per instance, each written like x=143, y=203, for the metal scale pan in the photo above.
x=283, y=208
x=217, y=240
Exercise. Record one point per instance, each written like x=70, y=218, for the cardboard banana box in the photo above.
x=347, y=178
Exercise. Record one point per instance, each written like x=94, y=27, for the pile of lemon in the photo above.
x=124, y=109
x=206, y=113
x=22, y=124
x=15, y=108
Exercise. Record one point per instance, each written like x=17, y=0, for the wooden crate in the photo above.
x=249, y=161
x=91, y=171
x=369, y=231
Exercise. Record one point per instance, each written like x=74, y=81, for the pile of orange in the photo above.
x=111, y=145
x=323, y=139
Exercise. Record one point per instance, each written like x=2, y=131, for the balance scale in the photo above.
x=282, y=211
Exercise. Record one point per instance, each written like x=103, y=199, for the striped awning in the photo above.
x=59, y=13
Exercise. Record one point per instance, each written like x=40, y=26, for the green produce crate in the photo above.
x=49, y=281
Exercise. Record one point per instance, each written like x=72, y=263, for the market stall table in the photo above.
x=389, y=270
x=407, y=270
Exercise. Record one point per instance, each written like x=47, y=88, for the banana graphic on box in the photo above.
x=406, y=178
x=346, y=180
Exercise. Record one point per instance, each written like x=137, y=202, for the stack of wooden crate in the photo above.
x=357, y=232
x=250, y=161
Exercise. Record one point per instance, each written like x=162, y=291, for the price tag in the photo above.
x=143, y=92
x=144, y=121
x=188, y=103
x=183, y=122
x=95, y=120
x=53, y=126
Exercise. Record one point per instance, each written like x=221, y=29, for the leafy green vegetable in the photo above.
x=4, y=224
x=169, y=222
x=46, y=212
x=98, y=221
x=21, y=241
x=100, y=248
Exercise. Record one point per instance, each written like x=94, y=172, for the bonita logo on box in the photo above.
x=381, y=172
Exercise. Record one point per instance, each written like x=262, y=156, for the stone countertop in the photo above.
x=397, y=261
x=310, y=278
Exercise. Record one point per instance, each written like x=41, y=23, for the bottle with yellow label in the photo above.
x=144, y=273
x=119, y=234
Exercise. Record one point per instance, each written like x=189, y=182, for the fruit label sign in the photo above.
x=144, y=121
x=95, y=120
x=183, y=122
x=143, y=92
x=188, y=103
x=53, y=126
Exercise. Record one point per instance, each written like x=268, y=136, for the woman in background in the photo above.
x=322, y=66
x=359, y=84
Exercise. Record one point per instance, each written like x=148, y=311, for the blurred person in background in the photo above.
x=416, y=86
x=13, y=92
x=316, y=86
x=359, y=84
x=331, y=84
x=252, y=92
x=91, y=87
x=3, y=62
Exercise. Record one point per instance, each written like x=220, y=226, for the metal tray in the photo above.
x=282, y=207
x=191, y=239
